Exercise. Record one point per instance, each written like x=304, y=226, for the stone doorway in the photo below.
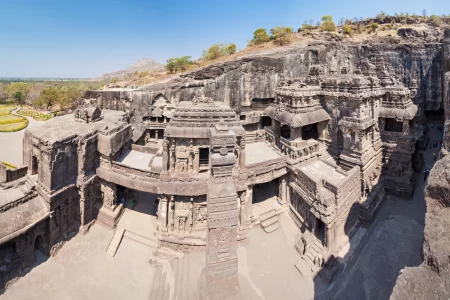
x=310, y=132
x=285, y=132
x=34, y=165
x=39, y=251
x=265, y=197
x=320, y=231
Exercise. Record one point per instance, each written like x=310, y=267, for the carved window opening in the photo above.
x=34, y=165
x=285, y=132
x=262, y=103
x=393, y=126
x=310, y=132
x=266, y=122
x=242, y=117
x=204, y=157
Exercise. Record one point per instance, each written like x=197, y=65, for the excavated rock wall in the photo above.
x=239, y=81
x=431, y=280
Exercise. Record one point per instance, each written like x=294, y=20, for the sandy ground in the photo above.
x=11, y=144
x=83, y=270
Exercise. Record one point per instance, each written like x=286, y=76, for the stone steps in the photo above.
x=269, y=221
x=313, y=251
x=115, y=241
x=369, y=208
x=171, y=280
x=140, y=239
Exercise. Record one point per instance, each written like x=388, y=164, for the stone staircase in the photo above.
x=315, y=249
x=171, y=280
x=369, y=207
x=269, y=221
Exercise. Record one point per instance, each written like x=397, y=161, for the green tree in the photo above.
x=17, y=91
x=178, y=64
x=328, y=24
x=214, y=52
x=281, y=35
x=183, y=62
x=260, y=36
x=171, y=65
x=347, y=29
x=231, y=49
x=49, y=96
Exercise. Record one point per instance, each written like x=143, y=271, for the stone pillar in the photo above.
x=221, y=271
x=282, y=190
x=172, y=158
x=162, y=213
x=109, y=194
x=196, y=160
x=165, y=164
x=172, y=213
x=329, y=237
x=242, y=162
x=156, y=134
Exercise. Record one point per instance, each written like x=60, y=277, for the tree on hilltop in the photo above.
x=328, y=24
x=260, y=36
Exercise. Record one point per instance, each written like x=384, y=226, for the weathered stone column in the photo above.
x=196, y=160
x=165, y=164
x=283, y=190
x=109, y=194
x=242, y=163
x=162, y=213
x=221, y=270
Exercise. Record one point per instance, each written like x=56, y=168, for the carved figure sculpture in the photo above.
x=181, y=214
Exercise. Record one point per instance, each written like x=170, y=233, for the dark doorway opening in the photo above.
x=265, y=191
x=310, y=132
x=204, y=157
x=320, y=231
x=392, y=125
x=34, y=165
x=40, y=255
x=285, y=132
x=266, y=122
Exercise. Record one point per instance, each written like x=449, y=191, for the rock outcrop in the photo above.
x=237, y=82
x=431, y=280
x=143, y=65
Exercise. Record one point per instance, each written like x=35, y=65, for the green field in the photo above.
x=13, y=127
x=6, y=108
x=10, y=118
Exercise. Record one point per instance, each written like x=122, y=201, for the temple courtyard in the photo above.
x=83, y=270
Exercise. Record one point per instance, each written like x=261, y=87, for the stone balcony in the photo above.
x=298, y=150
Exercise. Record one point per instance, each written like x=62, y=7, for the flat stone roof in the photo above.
x=136, y=159
x=259, y=152
x=63, y=127
x=319, y=170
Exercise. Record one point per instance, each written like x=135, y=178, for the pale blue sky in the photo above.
x=79, y=38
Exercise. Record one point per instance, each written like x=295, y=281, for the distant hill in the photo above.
x=143, y=65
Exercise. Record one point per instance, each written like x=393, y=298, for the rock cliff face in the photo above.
x=238, y=82
x=431, y=280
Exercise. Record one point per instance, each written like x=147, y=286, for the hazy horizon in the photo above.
x=85, y=39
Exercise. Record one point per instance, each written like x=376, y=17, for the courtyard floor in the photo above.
x=83, y=270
